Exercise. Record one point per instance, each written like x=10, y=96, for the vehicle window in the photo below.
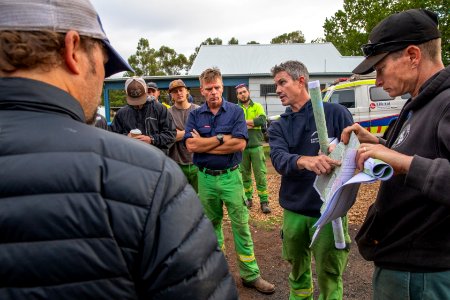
x=344, y=97
x=378, y=94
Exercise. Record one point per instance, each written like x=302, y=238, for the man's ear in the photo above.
x=72, y=55
x=301, y=80
x=414, y=55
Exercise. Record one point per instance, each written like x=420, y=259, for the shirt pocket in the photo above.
x=225, y=129
x=205, y=131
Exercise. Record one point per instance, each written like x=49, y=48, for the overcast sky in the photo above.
x=183, y=24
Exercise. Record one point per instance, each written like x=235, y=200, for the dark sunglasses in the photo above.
x=375, y=48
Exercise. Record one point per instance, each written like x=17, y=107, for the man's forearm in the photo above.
x=229, y=146
x=202, y=144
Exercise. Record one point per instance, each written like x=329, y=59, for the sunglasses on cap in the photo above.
x=376, y=48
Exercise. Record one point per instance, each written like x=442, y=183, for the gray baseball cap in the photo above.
x=60, y=16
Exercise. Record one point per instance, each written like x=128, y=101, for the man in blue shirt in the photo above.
x=217, y=134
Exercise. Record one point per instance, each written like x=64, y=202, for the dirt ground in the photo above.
x=266, y=237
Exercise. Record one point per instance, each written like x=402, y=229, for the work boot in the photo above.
x=265, y=208
x=260, y=285
x=248, y=203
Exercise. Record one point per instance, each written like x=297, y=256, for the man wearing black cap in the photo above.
x=85, y=213
x=153, y=90
x=406, y=231
x=154, y=93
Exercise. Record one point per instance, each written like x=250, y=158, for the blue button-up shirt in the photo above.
x=228, y=120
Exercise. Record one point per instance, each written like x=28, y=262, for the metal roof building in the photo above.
x=251, y=64
x=320, y=59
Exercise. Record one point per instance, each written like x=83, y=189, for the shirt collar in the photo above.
x=225, y=105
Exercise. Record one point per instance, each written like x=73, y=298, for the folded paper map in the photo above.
x=338, y=189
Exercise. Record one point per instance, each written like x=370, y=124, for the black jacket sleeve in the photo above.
x=162, y=128
x=181, y=258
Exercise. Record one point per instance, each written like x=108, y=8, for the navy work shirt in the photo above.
x=228, y=120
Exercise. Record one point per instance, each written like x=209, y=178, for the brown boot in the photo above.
x=260, y=285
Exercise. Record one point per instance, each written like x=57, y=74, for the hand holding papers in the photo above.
x=338, y=189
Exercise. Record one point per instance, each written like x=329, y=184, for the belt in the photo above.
x=217, y=172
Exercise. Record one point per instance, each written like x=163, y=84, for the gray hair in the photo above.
x=294, y=68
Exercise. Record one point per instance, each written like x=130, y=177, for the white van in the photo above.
x=370, y=106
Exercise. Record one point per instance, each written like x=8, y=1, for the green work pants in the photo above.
x=399, y=285
x=190, y=171
x=254, y=158
x=330, y=262
x=214, y=192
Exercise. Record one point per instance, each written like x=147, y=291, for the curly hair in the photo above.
x=34, y=49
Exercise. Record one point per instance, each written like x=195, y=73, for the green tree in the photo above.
x=150, y=62
x=144, y=62
x=252, y=43
x=319, y=40
x=233, y=41
x=170, y=62
x=289, y=38
x=208, y=41
x=349, y=28
x=117, y=98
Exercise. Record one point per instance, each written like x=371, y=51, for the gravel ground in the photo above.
x=265, y=232
x=366, y=196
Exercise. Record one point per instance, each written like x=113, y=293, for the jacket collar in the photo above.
x=28, y=94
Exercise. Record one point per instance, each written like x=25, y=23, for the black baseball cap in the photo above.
x=152, y=85
x=396, y=32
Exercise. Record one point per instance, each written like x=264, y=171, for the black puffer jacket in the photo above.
x=89, y=214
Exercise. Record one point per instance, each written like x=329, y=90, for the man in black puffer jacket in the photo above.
x=85, y=213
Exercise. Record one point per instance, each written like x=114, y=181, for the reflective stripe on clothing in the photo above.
x=254, y=158
x=330, y=262
x=226, y=189
x=246, y=258
x=303, y=293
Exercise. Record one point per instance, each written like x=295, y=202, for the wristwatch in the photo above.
x=220, y=138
